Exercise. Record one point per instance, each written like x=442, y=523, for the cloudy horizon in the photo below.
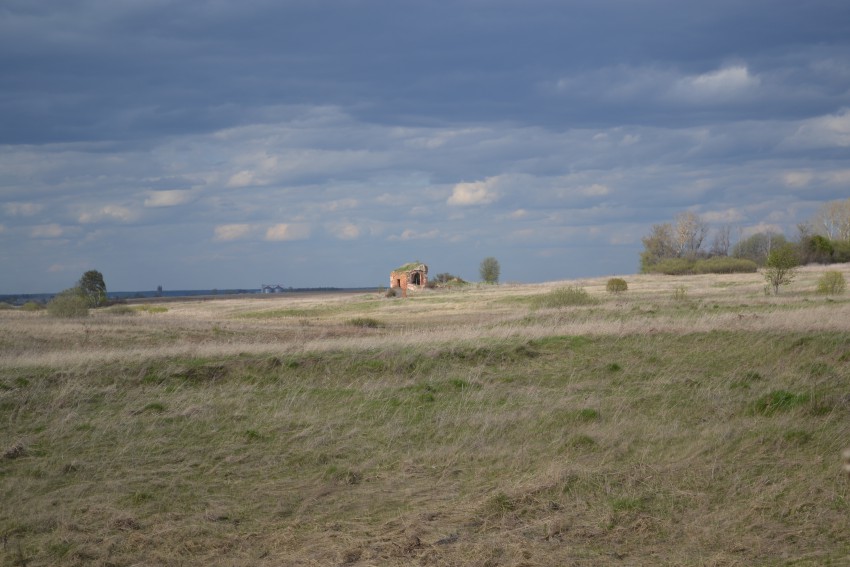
x=208, y=144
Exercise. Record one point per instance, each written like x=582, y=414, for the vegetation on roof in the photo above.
x=411, y=266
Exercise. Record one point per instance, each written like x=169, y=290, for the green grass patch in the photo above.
x=779, y=401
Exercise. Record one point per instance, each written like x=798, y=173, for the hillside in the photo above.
x=687, y=421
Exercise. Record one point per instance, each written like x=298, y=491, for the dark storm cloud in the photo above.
x=86, y=70
x=313, y=132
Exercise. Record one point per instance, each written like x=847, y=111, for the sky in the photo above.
x=315, y=143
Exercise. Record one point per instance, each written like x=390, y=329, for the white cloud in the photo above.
x=840, y=177
x=726, y=216
x=107, y=212
x=47, y=231
x=22, y=209
x=2, y=228
x=410, y=234
x=233, y=231
x=475, y=193
x=284, y=231
x=717, y=86
x=169, y=198
x=519, y=214
x=825, y=131
x=595, y=190
x=761, y=227
x=244, y=178
x=797, y=179
x=345, y=231
x=55, y=268
x=338, y=205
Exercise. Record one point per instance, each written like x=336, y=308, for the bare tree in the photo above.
x=689, y=233
x=833, y=220
x=722, y=241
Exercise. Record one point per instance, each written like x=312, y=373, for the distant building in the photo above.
x=274, y=288
x=410, y=276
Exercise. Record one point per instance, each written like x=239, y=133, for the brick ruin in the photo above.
x=410, y=276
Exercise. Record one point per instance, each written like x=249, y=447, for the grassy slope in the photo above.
x=472, y=428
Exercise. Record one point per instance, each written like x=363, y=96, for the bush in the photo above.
x=565, y=297
x=672, y=267
x=616, y=285
x=69, y=303
x=725, y=265
x=32, y=306
x=841, y=251
x=4, y=305
x=831, y=283
x=715, y=265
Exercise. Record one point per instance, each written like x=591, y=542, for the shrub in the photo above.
x=616, y=285
x=69, y=303
x=32, y=306
x=831, y=283
x=391, y=292
x=725, y=265
x=4, y=305
x=565, y=297
x=673, y=267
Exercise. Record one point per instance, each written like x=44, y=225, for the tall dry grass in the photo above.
x=472, y=428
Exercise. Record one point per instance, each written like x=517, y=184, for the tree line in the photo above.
x=682, y=247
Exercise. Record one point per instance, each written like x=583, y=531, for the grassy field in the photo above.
x=688, y=421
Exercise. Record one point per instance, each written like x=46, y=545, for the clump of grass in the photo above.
x=32, y=306
x=156, y=407
x=616, y=285
x=680, y=293
x=151, y=308
x=565, y=297
x=778, y=401
x=365, y=322
x=587, y=414
x=582, y=441
x=797, y=436
x=122, y=310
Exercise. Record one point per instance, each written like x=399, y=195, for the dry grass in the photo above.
x=463, y=428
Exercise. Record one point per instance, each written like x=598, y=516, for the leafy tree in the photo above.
x=781, y=266
x=758, y=246
x=680, y=240
x=489, y=270
x=658, y=245
x=93, y=288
